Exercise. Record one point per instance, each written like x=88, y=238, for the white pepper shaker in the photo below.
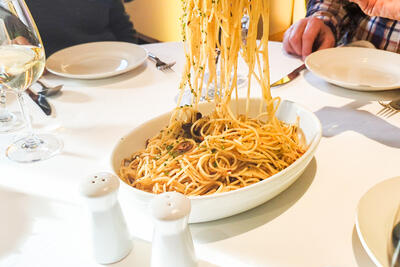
x=110, y=236
x=172, y=241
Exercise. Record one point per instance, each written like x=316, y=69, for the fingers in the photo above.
x=323, y=39
x=300, y=38
x=292, y=38
x=327, y=39
x=311, y=32
x=286, y=43
x=296, y=36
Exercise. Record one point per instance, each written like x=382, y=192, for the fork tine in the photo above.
x=163, y=68
x=160, y=65
x=395, y=112
x=167, y=67
x=170, y=65
x=380, y=112
x=385, y=108
x=386, y=112
x=390, y=114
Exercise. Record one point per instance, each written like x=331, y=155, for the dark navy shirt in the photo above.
x=64, y=23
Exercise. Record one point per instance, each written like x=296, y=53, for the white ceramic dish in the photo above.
x=357, y=68
x=217, y=206
x=375, y=219
x=96, y=60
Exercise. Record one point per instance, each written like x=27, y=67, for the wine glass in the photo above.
x=22, y=61
x=241, y=79
x=9, y=121
x=208, y=93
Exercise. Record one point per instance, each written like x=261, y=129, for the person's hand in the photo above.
x=382, y=8
x=20, y=40
x=307, y=35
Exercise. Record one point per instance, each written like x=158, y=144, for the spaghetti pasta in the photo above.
x=222, y=151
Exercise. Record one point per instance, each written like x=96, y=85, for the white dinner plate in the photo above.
x=375, y=219
x=357, y=68
x=217, y=206
x=96, y=60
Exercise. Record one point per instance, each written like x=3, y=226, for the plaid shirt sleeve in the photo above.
x=330, y=11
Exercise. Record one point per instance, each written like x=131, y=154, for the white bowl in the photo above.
x=217, y=206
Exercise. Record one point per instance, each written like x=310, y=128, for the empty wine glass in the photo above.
x=208, y=93
x=22, y=61
x=9, y=121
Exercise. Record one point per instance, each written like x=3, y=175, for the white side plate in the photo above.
x=375, y=218
x=357, y=68
x=96, y=60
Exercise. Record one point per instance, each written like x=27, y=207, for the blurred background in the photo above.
x=164, y=15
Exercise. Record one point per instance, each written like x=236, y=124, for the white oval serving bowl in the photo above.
x=217, y=206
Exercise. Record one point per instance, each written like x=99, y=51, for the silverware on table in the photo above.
x=40, y=100
x=389, y=108
x=295, y=73
x=49, y=90
x=396, y=246
x=161, y=65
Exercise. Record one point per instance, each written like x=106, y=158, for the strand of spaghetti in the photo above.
x=222, y=151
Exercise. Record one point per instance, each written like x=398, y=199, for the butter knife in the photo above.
x=290, y=76
x=396, y=246
x=40, y=100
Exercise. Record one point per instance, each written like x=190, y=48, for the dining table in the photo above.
x=44, y=218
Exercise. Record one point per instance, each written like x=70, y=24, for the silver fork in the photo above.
x=161, y=65
x=389, y=109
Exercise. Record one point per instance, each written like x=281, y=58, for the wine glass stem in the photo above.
x=32, y=141
x=5, y=115
x=2, y=99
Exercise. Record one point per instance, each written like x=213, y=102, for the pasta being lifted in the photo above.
x=222, y=151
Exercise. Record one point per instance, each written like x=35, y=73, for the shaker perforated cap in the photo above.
x=99, y=184
x=170, y=206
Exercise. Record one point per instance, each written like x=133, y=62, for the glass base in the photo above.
x=34, y=148
x=241, y=81
x=210, y=93
x=10, y=122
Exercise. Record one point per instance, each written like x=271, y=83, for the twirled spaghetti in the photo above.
x=219, y=152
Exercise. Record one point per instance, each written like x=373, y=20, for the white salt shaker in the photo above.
x=172, y=241
x=110, y=236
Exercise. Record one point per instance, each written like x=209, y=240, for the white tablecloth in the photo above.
x=43, y=222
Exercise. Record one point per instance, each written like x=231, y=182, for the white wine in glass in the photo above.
x=22, y=61
x=20, y=65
